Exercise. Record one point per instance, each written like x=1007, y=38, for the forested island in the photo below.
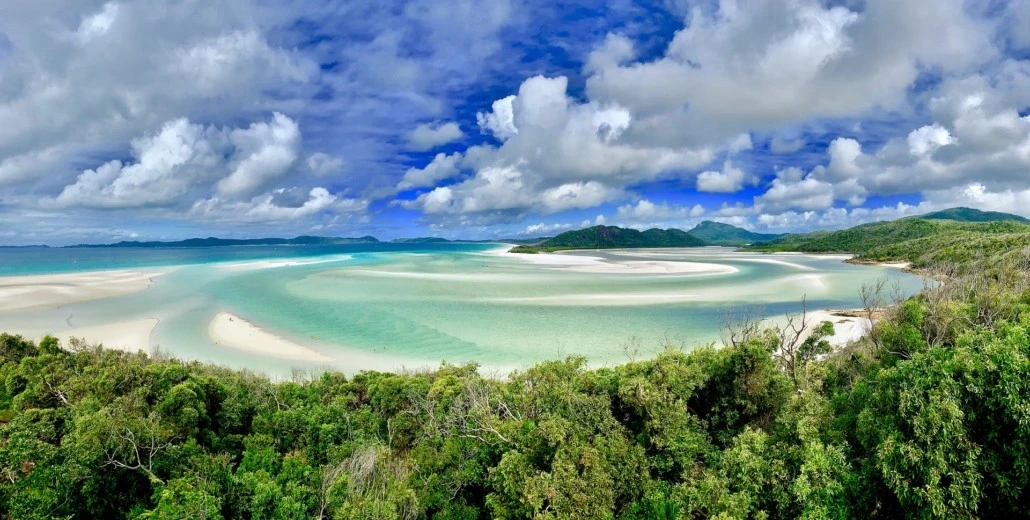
x=926, y=417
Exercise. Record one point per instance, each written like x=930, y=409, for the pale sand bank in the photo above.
x=286, y=262
x=846, y=329
x=596, y=265
x=32, y=292
x=234, y=332
x=129, y=336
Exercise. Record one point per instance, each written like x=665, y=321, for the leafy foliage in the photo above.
x=607, y=237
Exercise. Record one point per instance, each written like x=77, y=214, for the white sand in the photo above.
x=846, y=329
x=897, y=265
x=32, y=292
x=129, y=336
x=234, y=332
x=596, y=265
x=288, y=262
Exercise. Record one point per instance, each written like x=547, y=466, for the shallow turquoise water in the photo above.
x=416, y=305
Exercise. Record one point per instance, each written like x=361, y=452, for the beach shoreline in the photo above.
x=21, y=293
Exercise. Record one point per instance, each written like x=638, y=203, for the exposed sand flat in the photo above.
x=847, y=329
x=651, y=267
x=234, y=332
x=32, y=292
x=593, y=264
x=289, y=262
x=897, y=265
x=129, y=336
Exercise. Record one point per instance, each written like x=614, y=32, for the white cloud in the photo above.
x=543, y=229
x=98, y=24
x=263, y=153
x=185, y=160
x=442, y=167
x=324, y=164
x=765, y=63
x=263, y=208
x=500, y=122
x=167, y=166
x=729, y=180
x=431, y=135
x=647, y=211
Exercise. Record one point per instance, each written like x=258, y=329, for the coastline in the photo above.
x=46, y=291
x=231, y=331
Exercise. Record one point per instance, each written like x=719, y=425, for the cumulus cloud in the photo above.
x=168, y=164
x=264, y=208
x=647, y=211
x=185, y=160
x=442, y=167
x=544, y=229
x=729, y=180
x=500, y=122
x=263, y=153
x=431, y=135
x=759, y=64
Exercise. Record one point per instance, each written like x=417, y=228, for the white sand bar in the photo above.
x=234, y=332
x=846, y=329
x=33, y=292
x=129, y=336
x=597, y=265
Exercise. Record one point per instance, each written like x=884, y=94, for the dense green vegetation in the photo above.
x=608, y=237
x=920, y=241
x=973, y=215
x=719, y=234
x=928, y=417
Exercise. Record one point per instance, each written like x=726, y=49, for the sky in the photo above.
x=167, y=119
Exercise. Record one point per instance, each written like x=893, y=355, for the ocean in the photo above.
x=392, y=306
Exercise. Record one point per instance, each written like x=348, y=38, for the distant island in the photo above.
x=706, y=233
x=609, y=237
x=220, y=242
x=303, y=240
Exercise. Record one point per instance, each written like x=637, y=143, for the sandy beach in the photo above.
x=231, y=331
x=130, y=336
x=847, y=329
x=32, y=292
x=598, y=265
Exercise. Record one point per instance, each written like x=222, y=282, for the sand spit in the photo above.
x=597, y=265
x=286, y=262
x=129, y=336
x=231, y=331
x=33, y=292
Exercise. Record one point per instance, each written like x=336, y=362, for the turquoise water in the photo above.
x=387, y=305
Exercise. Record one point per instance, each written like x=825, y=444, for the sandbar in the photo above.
x=33, y=292
x=129, y=336
x=597, y=265
x=231, y=331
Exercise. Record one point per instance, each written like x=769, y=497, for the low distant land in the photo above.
x=952, y=235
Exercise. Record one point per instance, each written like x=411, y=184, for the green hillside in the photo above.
x=719, y=234
x=920, y=241
x=972, y=215
x=609, y=237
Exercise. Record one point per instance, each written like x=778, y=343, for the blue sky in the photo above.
x=165, y=119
